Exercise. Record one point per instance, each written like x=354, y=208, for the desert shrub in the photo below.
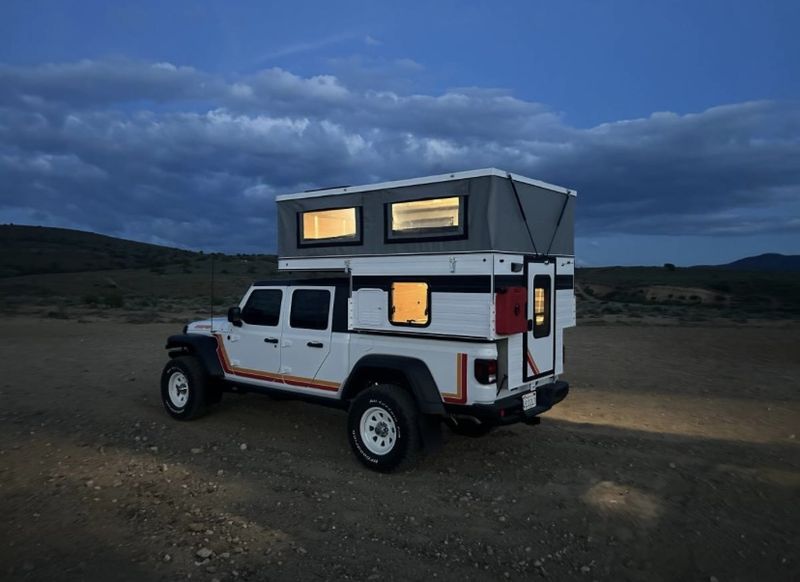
x=721, y=286
x=59, y=313
x=91, y=299
x=113, y=300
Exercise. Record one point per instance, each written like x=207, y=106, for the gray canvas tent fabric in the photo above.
x=494, y=219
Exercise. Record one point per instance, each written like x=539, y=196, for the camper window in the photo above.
x=434, y=217
x=333, y=226
x=409, y=304
x=541, y=306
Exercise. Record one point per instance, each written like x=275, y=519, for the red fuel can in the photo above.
x=511, y=310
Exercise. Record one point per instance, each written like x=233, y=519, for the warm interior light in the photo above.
x=329, y=224
x=424, y=214
x=410, y=303
x=538, y=305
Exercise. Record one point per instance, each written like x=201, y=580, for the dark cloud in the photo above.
x=175, y=155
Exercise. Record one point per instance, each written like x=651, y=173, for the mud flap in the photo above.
x=430, y=432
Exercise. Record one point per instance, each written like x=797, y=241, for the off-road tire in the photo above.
x=200, y=388
x=398, y=406
x=470, y=429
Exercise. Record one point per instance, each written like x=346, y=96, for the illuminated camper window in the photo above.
x=334, y=226
x=541, y=306
x=409, y=304
x=434, y=217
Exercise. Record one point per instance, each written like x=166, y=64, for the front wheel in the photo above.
x=382, y=427
x=185, y=388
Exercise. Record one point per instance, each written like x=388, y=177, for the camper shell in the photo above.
x=500, y=212
x=451, y=292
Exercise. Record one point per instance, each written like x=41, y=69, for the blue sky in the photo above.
x=678, y=122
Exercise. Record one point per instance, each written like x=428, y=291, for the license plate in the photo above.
x=529, y=400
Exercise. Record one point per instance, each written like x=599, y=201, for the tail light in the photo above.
x=486, y=371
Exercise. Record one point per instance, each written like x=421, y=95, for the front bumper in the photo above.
x=509, y=410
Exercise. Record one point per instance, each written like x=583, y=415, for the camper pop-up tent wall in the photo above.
x=477, y=211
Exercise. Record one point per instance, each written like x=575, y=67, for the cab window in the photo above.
x=263, y=307
x=310, y=309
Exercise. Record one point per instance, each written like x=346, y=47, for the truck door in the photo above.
x=306, y=338
x=539, y=343
x=253, y=351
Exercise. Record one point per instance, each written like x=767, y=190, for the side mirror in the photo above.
x=235, y=316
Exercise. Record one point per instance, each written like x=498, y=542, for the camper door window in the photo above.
x=331, y=226
x=541, y=306
x=425, y=219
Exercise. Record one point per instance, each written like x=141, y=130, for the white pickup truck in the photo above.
x=418, y=324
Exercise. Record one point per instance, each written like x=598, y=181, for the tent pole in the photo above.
x=558, y=223
x=522, y=212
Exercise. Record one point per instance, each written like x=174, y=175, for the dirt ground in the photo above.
x=675, y=457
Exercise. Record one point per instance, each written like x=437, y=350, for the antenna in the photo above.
x=212, y=291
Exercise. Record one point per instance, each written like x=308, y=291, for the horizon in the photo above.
x=579, y=266
x=680, y=131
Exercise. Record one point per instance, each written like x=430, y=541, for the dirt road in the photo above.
x=675, y=457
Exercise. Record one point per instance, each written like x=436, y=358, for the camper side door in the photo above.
x=539, y=343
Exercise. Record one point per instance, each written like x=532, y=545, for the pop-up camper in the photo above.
x=447, y=300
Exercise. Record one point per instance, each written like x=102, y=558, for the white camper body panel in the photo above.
x=459, y=312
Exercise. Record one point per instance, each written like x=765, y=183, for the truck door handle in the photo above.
x=271, y=340
x=314, y=344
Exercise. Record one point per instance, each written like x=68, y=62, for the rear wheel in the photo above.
x=185, y=388
x=382, y=427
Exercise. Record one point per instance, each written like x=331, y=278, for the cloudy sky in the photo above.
x=178, y=122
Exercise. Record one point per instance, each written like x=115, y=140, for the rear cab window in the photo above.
x=310, y=309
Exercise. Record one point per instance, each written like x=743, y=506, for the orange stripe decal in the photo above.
x=532, y=364
x=460, y=395
x=299, y=381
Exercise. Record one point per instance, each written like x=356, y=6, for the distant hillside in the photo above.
x=28, y=250
x=766, y=262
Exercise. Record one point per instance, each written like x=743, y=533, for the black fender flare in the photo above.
x=416, y=373
x=202, y=346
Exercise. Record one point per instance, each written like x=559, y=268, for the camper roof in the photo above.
x=426, y=180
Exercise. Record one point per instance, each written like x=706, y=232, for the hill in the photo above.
x=766, y=262
x=27, y=250
x=73, y=274
x=82, y=275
